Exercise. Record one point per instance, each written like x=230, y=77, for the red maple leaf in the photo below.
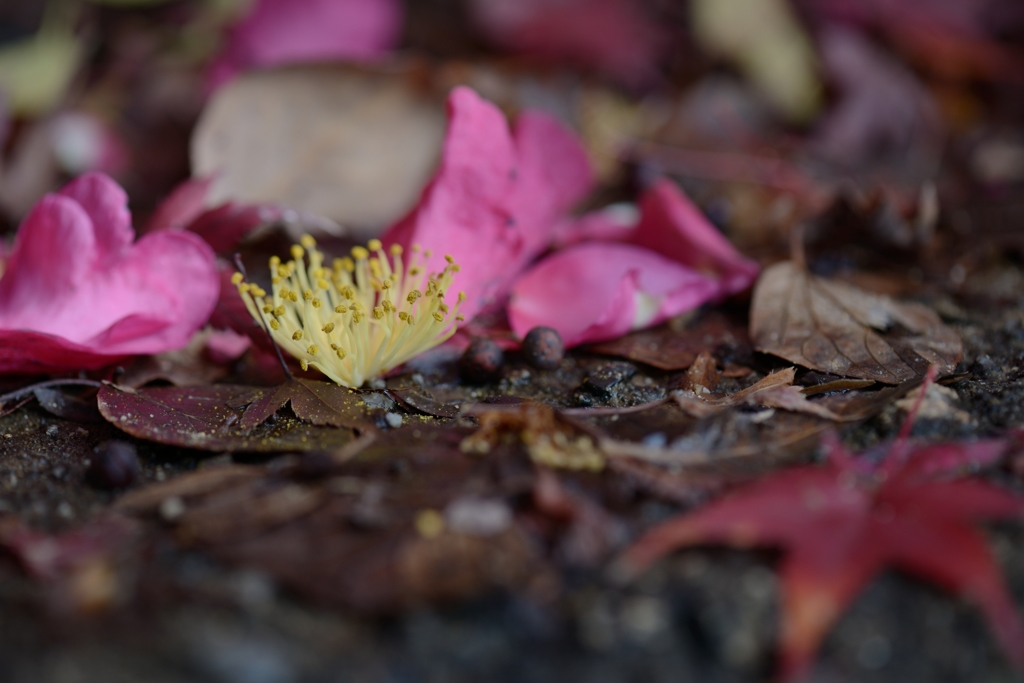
x=842, y=523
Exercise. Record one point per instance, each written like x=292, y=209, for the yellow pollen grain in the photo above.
x=374, y=245
x=274, y=325
x=297, y=252
x=328, y=328
x=293, y=296
x=312, y=349
x=297, y=335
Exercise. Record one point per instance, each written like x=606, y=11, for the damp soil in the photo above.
x=701, y=615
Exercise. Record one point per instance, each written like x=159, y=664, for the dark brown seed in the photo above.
x=543, y=348
x=481, y=361
x=114, y=466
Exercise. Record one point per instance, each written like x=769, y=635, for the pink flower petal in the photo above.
x=613, y=36
x=495, y=198
x=601, y=290
x=673, y=226
x=614, y=223
x=225, y=346
x=290, y=31
x=76, y=288
x=182, y=206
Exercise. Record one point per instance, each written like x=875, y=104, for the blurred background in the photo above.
x=769, y=112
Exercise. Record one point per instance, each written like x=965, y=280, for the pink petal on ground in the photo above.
x=225, y=346
x=596, y=291
x=290, y=31
x=182, y=206
x=613, y=223
x=673, y=226
x=613, y=36
x=494, y=200
x=74, y=282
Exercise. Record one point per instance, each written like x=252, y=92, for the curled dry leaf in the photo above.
x=209, y=418
x=774, y=391
x=836, y=328
x=350, y=144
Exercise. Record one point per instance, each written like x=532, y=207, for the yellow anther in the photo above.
x=460, y=317
x=360, y=253
x=318, y=273
x=268, y=309
x=341, y=309
x=275, y=261
x=443, y=308
x=236, y=278
x=244, y=287
x=378, y=312
x=375, y=268
x=449, y=258
x=297, y=252
x=294, y=296
x=388, y=306
x=274, y=325
x=438, y=317
x=257, y=290
x=462, y=297
x=340, y=353
x=348, y=264
x=374, y=245
x=297, y=335
x=279, y=311
x=402, y=315
x=283, y=271
x=307, y=241
x=307, y=295
x=386, y=284
x=413, y=295
x=323, y=284
x=413, y=272
x=312, y=349
x=396, y=249
x=304, y=365
x=315, y=302
x=275, y=280
x=328, y=328
x=335, y=347
x=349, y=292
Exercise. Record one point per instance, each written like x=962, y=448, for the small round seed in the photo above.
x=543, y=348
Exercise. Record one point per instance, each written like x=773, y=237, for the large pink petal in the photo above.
x=673, y=226
x=73, y=291
x=494, y=201
x=596, y=291
x=289, y=31
x=106, y=204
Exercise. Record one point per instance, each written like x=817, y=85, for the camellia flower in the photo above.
x=496, y=195
x=359, y=318
x=671, y=262
x=77, y=293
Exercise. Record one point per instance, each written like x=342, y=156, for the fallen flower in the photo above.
x=844, y=522
x=496, y=196
x=278, y=32
x=672, y=261
x=358, y=319
x=76, y=293
x=602, y=290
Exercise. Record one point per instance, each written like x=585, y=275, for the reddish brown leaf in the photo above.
x=836, y=328
x=209, y=418
x=844, y=522
x=319, y=403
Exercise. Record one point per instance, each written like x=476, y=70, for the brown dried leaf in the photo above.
x=667, y=348
x=352, y=144
x=319, y=403
x=836, y=328
x=209, y=418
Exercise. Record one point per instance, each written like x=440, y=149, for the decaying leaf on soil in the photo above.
x=833, y=327
x=210, y=418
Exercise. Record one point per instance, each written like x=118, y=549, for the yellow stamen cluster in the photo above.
x=358, y=318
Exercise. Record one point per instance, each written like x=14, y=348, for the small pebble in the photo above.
x=543, y=348
x=481, y=361
x=394, y=420
x=172, y=508
x=115, y=466
x=52, y=430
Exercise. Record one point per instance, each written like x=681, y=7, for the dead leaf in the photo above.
x=209, y=418
x=319, y=403
x=833, y=327
x=668, y=348
x=353, y=145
